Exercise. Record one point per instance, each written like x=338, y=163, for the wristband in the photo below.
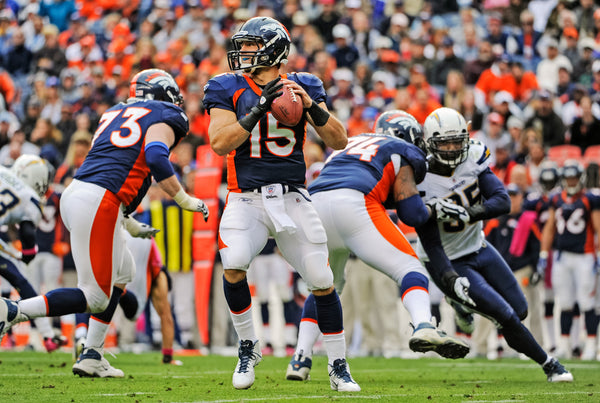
x=319, y=115
x=476, y=213
x=544, y=254
x=181, y=197
x=250, y=120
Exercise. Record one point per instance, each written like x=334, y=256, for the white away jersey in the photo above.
x=18, y=202
x=459, y=239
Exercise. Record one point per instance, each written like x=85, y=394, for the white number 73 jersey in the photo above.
x=18, y=202
x=459, y=239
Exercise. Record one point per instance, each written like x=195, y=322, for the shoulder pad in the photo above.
x=175, y=117
x=308, y=79
x=478, y=152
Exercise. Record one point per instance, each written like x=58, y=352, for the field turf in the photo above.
x=39, y=377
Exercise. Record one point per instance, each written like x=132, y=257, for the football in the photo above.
x=287, y=108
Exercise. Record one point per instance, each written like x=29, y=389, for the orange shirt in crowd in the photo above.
x=490, y=83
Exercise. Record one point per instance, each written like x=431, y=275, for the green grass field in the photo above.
x=39, y=377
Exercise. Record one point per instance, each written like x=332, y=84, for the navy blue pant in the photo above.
x=497, y=295
x=11, y=273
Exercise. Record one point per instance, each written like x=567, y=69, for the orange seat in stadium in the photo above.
x=560, y=154
x=591, y=155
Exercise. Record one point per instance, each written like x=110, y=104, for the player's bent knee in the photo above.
x=318, y=276
x=96, y=302
x=236, y=258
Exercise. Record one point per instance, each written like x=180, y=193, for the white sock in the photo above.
x=97, y=332
x=550, y=331
x=44, y=327
x=81, y=331
x=335, y=345
x=34, y=307
x=307, y=337
x=417, y=304
x=243, y=324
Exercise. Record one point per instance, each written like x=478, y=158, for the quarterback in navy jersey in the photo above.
x=130, y=146
x=572, y=227
x=356, y=182
x=459, y=172
x=265, y=178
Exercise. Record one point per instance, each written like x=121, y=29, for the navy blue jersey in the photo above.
x=540, y=203
x=46, y=230
x=117, y=160
x=574, y=229
x=273, y=153
x=370, y=163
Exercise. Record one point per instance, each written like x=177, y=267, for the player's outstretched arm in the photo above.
x=159, y=138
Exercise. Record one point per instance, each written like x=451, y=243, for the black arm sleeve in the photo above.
x=440, y=268
x=27, y=238
x=496, y=200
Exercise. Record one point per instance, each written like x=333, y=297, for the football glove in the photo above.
x=447, y=210
x=540, y=270
x=460, y=287
x=190, y=203
x=272, y=90
x=138, y=229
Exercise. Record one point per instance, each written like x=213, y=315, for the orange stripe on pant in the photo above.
x=386, y=227
x=101, y=241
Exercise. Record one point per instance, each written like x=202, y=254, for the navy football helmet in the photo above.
x=548, y=175
x=273, y=42
x=155, y=84
x=573, y=169
x=399, y=124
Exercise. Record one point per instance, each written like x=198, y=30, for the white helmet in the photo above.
x=446, y=126
x=34, y=171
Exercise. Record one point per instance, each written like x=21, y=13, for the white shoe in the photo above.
x=299, y=368
x=589, y=351
x=10, y=314
x=340, y=378
x=91, y=363
x=426, y=337
x=556, y=372
x=248, y=357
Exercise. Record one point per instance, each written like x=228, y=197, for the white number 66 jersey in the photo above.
x=459, y=239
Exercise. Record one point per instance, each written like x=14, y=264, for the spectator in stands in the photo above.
x=527, y=83
x=69, y=91
x=417, y=54
x=342, y=94
x=53, y=104
x=585, y=17
x=503, y=164
x=514, y=126
x=547, y=121
x=58, y=12
x=493, y=134
x=485, y=59
x=448, y=63
x=33, y=111
x=383, y=92
x=565, y=86
x=572, y=109
x=524, y=45
x=504, y=105
x=51, y=57
x=17, y=146
x=571, y=48
x=343, y=50
x=470, y=111
x=496, y=34
x=497, y=78
x=585, y=129
x=582, y=69
x=454, y=90
x=327, y=19
x=423, y=105
x=547, y=69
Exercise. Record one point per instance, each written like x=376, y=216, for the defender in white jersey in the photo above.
x=20, y=191
x=459, y=172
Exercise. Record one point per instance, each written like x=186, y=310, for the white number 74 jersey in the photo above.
x=18, y=202
x=459, y=239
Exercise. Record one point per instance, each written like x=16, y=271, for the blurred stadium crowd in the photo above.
x=525, y=73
